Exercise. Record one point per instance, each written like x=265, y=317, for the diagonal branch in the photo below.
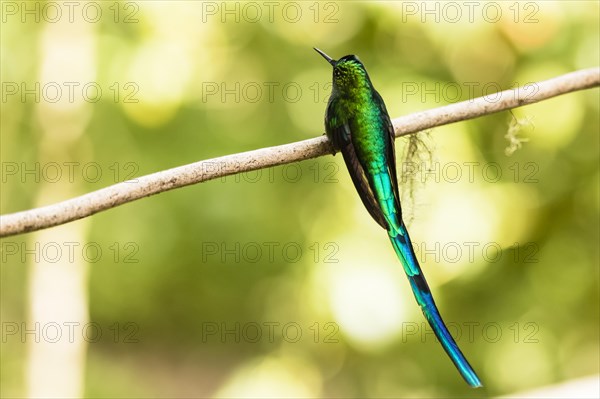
x=124, y=192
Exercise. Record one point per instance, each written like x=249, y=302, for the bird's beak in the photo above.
x=328, y=58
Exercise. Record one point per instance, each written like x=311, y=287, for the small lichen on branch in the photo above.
x=417, y=156
x=512, y=135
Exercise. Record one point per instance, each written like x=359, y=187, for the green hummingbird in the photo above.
x=358, y=124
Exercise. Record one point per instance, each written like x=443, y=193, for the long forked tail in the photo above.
x=403, y=247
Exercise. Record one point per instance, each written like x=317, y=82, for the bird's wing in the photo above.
x=391, y=148
x=341, y=136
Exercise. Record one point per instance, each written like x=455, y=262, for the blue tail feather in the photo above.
x=403, y=247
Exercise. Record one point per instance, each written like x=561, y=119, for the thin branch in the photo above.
x=124, y=192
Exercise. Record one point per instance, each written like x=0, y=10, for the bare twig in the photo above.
x=121, y=193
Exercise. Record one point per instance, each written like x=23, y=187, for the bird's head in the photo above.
x=348, y=72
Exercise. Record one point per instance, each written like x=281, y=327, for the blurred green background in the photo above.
x=277, y=282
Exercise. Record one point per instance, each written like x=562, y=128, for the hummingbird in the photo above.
x=357, y=124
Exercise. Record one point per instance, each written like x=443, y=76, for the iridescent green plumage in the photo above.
x=359, y=126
